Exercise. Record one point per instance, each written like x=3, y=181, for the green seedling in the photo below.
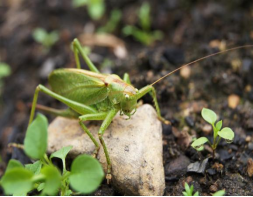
x=226, y=133
x=84, y=176
x=41, y=36
x=189, y=190
x=91, y=95
x=111, y=25
x=143, y=34
x=5, y=71
x=96, y=8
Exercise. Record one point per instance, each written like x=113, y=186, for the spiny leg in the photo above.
x=151, y=90
x=78, y=49
x=98, y=116
x=107, y=121
x=78, y=107
x=126, y=78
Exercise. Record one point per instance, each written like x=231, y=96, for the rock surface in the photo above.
x=135, y=148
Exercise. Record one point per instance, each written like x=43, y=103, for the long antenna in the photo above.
x=231, y=49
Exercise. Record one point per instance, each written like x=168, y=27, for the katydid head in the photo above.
x=128, y=105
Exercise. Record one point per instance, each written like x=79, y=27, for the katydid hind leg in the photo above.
x=98, y=116
x=107, y=121
x=151, y=90
x=77, y=47
x=78, y=107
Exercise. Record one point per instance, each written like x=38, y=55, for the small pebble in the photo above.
x=248, y=138
x=185, y=72
x=250, y=167
x=189, y=121
x=198, y=167
x=207, y=129
x=211, y=171
x=233, y=101
x=213, y=188
x=250, y=146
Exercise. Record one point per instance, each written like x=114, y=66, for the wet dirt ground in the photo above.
x=192, y=29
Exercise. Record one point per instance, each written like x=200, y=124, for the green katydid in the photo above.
x=91, y=95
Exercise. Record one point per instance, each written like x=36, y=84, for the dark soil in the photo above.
x=192, y=29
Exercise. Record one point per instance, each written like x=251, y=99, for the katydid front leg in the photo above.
x=98, y=116
x=151, y=90
x=107, y=121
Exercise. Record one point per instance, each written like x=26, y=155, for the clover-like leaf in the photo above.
x=227, y=134
x=13, y=164
x=52, y=180
x=198, y=143
x=86, y=174
x=35, y=144
x=35, y=167
x=17, y=181
x=209, y=115
x=62, y=153
x=219, y=125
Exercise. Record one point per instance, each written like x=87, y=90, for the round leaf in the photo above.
x=53, y=180
x=13, y=164
x=86, y=174
x=209, y=115
x=5, y=70
x=227, y=134
x=36, y=138
x=198, y=143
x=17, y=181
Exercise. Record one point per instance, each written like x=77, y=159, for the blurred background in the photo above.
x=147, y=39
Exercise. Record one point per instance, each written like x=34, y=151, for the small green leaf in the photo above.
x=17, y=181
x=209, y=115
x=185, y=194
x=5, y=70
x=198, y=143
x=13, y=164
x=40, y=187
x=196, y=194
x=144, y=16
x=86, y=174
x=35, y=144
x=62, y=153
x=219, y=193
x=96, y=9
x=187, y=188
x=35, y=167
x=40, y=35
x=227, y=134
x=53, y=180
x=219, y=125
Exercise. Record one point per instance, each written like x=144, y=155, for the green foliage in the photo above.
x=143, y=34
x=5, y=71
x=85, y=176
x=226, y=133
x=41, y=36
x=96, y=8
x=219, y=193
x=111, y=25
x=36, y=138
x=189, y=190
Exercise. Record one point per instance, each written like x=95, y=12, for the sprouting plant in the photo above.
x=189, y=190
x=84, y=176
x=218, y=133
x=41, y=36
x=143, y=34
x=5, y=71
x=112, y=23
x=96, y=8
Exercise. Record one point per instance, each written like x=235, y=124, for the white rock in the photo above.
x=135, y=148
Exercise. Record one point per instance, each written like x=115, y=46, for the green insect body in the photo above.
x=91, y=95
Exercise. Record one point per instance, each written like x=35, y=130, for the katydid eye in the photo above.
x=127, y=96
